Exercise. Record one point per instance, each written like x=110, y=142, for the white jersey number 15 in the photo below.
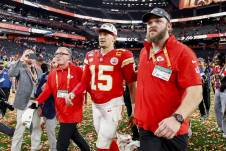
x=101, y=77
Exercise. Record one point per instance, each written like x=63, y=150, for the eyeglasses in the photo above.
x=61, y=54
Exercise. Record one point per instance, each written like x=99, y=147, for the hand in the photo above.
x=39, y=110
x=42, y=122
x=34, y=105
x=131, y=122
x=25, y=55
x=68, y=100
x=131, y=118
x=1, y=117
x=168, y=128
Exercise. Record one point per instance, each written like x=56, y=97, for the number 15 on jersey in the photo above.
x=104, y=81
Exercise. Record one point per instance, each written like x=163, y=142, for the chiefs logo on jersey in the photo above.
x=114, y=61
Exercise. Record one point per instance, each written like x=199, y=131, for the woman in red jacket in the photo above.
x=60, y=82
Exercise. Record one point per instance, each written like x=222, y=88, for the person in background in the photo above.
x=12, y=61
x=5, y=81
x=27, y=74
x=223, y=104
x=218, y=73
x=5, y=85
x=204, y=106
x=48, y=108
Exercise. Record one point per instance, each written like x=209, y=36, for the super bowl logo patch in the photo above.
x=114, y=61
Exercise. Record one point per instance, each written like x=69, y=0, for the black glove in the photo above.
x=33, y=106
x=10, y=107
x=5, y=104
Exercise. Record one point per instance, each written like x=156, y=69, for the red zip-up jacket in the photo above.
x=64, y=113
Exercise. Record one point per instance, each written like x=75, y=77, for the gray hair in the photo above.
x=68, y=50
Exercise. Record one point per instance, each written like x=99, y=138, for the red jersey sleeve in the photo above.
x=188, y=71
x=85, y=79
x=46, y=92
x=128, y=67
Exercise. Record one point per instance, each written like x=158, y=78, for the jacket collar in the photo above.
x=168, y=44
x=65, y=68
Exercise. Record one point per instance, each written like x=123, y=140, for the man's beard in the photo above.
x=158, y=37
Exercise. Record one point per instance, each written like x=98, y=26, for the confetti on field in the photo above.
x=205, y=136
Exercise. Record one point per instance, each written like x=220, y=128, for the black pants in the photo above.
x=150, y=142
x=7, y=93
x=204, y=106
x=128, y=105
x=69, y=131
x=6, y=130
x=4, y=95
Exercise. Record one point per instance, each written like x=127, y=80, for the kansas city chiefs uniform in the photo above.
x=104, y=74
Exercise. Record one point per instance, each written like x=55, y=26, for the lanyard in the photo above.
x=68, y=79
x=34, y=75
x=165, y=54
